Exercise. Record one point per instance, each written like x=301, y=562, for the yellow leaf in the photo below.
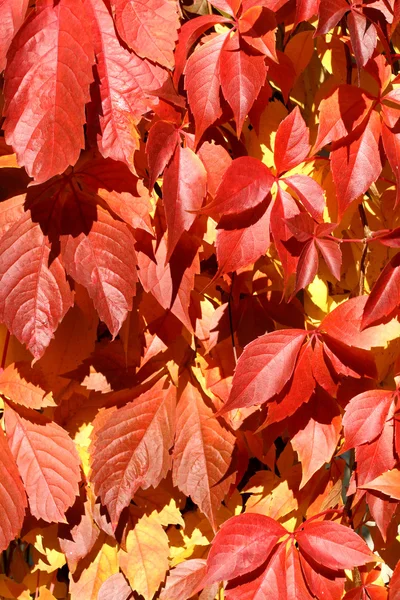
x=47, y=554
x=162, y=504
x=145, y=561
x=98, y=570
x=45, y=594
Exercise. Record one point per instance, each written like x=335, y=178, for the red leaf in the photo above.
x=295, y=585
x=132, y=449
x=242, y=77
x=184, y=189
x=363, y=37
x=184, y=580
x=123, y=77
x=189, y=33
x=270, y=585
x=310, y=194
x=316, y=433
x=115, y=587
x=365, y=417
x=245, y=184
x=301, y=388
x=48, y=463
x=356, y=163
x=35, y=294
x=330, y=13
x=12, y=496
x=104, y=261
x=203, y=82
x=284, y=208
x=161, y=143
x=257, y=26
x=388, y=483
x=215, y=160
x=341, y=113
x=291, y=142
x=307, y=267
x=12, y=15
x=241, y=545
x=384, y=297
x=305, y=10
x=172, y=283
x=323, y=583
x=344, y=324
x=259, y=374
x=332, y=255
x=376, y=457
x=202, y=453
x=52, y=137
x=332, y=545
x=23, y=385
x=391, y=144
x=150, y=28
x=394, y=585
x=241, y=246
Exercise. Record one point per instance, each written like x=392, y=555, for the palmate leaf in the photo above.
x=55, y=42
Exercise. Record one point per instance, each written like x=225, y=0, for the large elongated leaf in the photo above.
x=265, y=366
x=245, y=184
x=123, y=79
x=12, y=14
x=340, y=113
x=318, y=426
x=161, y=143
x=202, y=82
x=268, y=586
x=34, y=292
x=48, y=463
x=184, y=189
x=241, y=545
x=150, y=28
x=384, y=297
x=103, y=260
x=365, y=416
x=49, y=70
x=145, y=561
x=388, y=483
x=12, y=496
x=356, y=162
x=291, y=142
x=202, y=453
x=333, y=546
x=132, y=449
x=242, y=77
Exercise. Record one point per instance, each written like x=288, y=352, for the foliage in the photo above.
x=199, y=299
